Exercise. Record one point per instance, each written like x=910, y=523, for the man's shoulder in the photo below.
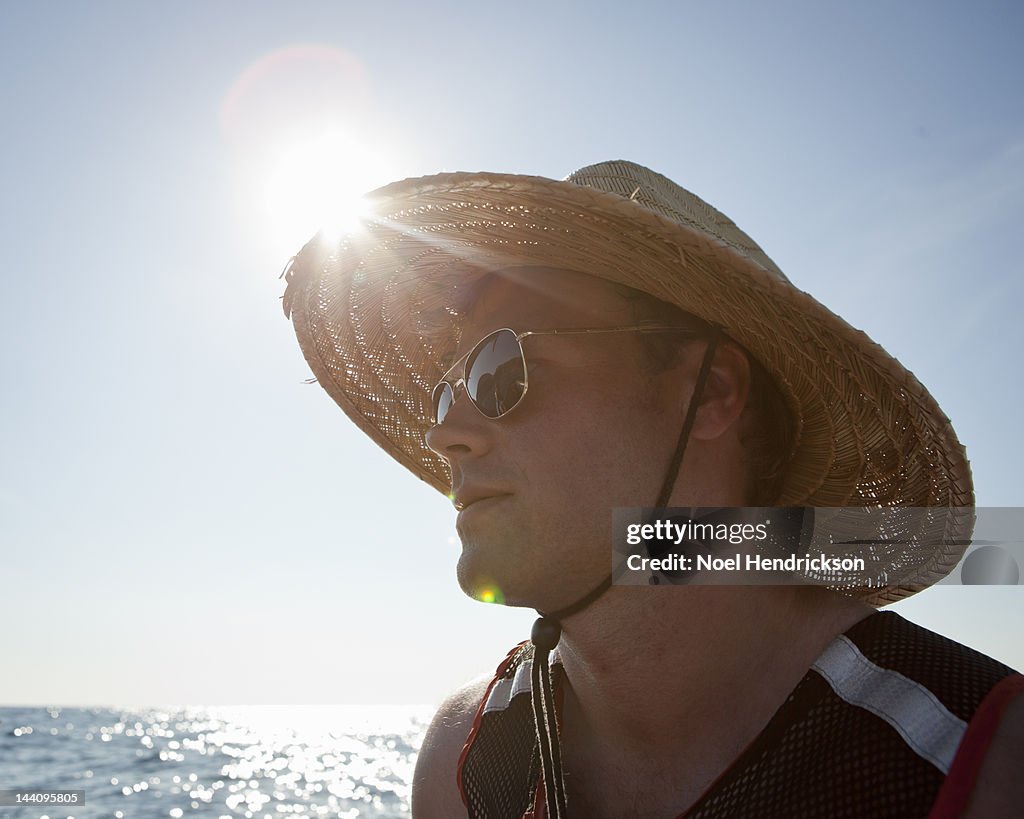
x=983, y=702
x=435, y=789
x=998, y=789
x=958, y=675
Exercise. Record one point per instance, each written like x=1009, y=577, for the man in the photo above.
x=568, y=348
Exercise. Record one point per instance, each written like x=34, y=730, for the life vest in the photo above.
x=892, y=720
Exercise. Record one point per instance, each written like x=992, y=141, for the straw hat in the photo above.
x=375, y=318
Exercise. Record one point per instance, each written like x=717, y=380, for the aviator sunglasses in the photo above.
x=494, y=373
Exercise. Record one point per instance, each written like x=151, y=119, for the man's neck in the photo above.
x=666, y=687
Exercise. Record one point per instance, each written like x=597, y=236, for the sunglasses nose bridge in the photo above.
x=453, y=383
x=441, y=405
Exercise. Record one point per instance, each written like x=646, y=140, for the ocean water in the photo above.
x=173, y=763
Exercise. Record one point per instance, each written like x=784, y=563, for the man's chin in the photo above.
x=483, y=581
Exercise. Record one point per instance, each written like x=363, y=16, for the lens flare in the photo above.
x=298, y=86
x=490, y=594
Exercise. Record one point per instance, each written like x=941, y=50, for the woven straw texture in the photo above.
x=376, y=316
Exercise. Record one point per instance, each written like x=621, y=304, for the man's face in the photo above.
x=595, y=431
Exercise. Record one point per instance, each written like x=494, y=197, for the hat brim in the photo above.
x=373, y=318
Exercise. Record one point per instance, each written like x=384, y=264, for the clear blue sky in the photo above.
x=182, y=520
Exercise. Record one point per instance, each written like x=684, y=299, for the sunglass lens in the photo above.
x=496, y=374
x=443, y=397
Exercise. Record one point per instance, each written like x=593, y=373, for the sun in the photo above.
x=318, y=183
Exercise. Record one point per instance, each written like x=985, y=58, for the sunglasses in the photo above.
x=494, y=373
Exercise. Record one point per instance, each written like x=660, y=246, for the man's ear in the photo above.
x=725, y=392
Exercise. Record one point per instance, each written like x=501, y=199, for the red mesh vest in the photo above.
x=891, y=721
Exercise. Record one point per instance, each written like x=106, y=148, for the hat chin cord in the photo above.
x=548, y=628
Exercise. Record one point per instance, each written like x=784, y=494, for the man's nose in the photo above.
x=463, y=432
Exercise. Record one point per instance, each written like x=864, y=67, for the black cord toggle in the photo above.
x=545, y=633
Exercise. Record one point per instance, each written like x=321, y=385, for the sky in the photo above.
x=183, y=520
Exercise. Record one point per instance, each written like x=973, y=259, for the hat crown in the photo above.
x=663, y=197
